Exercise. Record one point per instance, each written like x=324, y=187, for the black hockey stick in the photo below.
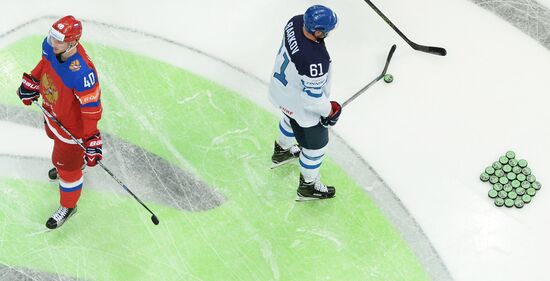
x=427, y=49
x=154, y=217
x=390, y=54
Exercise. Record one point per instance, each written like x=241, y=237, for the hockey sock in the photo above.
x=310, y=163
x=286, y=135
x=70, y=186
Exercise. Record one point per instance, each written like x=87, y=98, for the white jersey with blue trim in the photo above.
x=300, y=84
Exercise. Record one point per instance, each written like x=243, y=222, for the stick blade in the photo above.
x=155, y=219
x=430, y=50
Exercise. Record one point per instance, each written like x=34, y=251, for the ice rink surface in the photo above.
x=428, y=135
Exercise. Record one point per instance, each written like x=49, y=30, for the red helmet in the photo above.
x=66, y=29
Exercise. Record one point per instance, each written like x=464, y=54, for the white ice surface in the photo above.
x=429, y=134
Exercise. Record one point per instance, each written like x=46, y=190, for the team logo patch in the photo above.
x=75, y=66
x=49, y=91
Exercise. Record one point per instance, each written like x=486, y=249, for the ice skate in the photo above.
x=59, y=217
x=282, y=156
x=314, y=190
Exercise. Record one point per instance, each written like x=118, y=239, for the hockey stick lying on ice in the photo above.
x=154, y=217
x=375, y=79
x=427, y=49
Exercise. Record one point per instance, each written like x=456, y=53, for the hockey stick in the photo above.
x=154, y=217
x=427, y=49
x=390, y=54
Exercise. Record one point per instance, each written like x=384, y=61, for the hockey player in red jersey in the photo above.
x=67, y=81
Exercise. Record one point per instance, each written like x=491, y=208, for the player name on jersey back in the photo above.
x=291, y=38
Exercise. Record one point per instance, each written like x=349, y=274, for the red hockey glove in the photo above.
x=333, y=116
x=94, y=151
x=29, y=89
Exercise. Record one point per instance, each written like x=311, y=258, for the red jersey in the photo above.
x=70, y=91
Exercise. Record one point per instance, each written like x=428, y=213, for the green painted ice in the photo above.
x=259, y=233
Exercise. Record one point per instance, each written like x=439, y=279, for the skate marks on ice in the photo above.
x=146, y=174
x=529, y=16
x=24, y=274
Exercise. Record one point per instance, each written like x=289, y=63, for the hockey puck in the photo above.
x=509, y=202
x=510, y=155
x=507, y=187
x=484, y=177
x=519, y=203
x=503, y=160
x=388, y=78
x=520, y=191
x=522, y=163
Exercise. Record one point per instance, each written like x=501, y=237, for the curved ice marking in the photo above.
x=149, y=176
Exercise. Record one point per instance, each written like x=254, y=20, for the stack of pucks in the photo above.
x=513, y=183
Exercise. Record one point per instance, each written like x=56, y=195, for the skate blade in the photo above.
x=273, y=165
x=305, y=199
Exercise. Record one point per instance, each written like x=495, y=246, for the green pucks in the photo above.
x=519, y=203
x=502, y=194
x=499, y=173
x=522, y=163
x=525, y=184
x=509, y=203
x=521, y=177
x=515, y=183
x=516, y=170
x=526, y=198
x=497, y=186
x=531, y=178
x=497, y=165
x=507, y=168
x=490, y=170
x=511, y=176
x=520, y=191
x=503, y=180
x=513, y=162
x=493, y=193
x=536, y=185
x=507, y=187
x=493, y=179
x=526, y=171
x=531, y=191
x=510, y=155
x=499, y=202
x=484, y=177
x=512, y=195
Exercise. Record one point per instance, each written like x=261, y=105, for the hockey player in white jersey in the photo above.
x=300, y=88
